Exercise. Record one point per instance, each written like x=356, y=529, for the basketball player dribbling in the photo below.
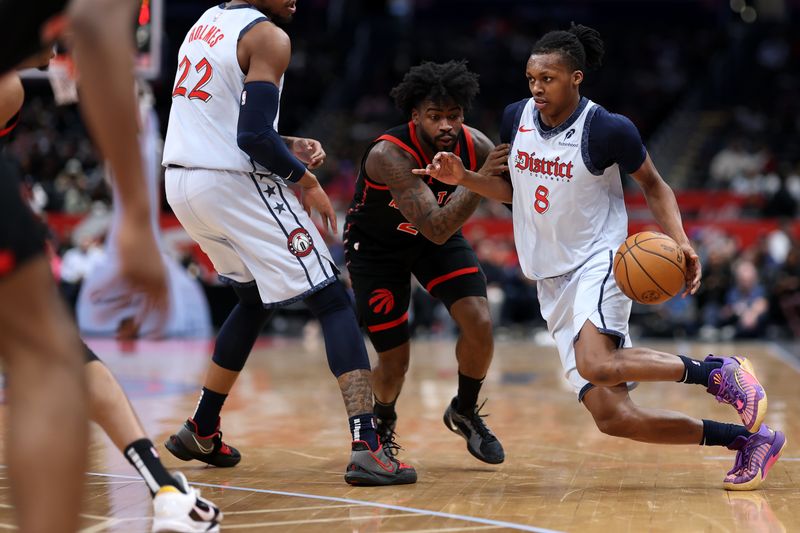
x=399, y=225
x=569, y=216
x=39, y=343
x=226, y=180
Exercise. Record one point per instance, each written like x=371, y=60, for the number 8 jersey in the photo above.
x=207, y=93
x=565, y=210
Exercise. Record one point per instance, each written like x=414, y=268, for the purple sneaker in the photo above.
x=735, y=383
x=755, y=456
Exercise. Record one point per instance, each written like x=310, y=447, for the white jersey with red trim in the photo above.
x=563, y=212
x=206, y=96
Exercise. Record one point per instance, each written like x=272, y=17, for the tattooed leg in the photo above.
x=356, y=392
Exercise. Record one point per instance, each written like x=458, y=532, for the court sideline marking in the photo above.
x=364, y=503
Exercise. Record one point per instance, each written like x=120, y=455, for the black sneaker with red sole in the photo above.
x=186, y=444
x=375, y=468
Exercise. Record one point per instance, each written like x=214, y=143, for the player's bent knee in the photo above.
x=344, y=344
x=473, y=317
x=613, y=427
x=395, y=365
x=597, y=373
x=619, y=422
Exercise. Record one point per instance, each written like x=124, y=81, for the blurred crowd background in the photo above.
x=712, y=85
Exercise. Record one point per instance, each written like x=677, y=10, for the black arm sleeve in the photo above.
x=256, y=136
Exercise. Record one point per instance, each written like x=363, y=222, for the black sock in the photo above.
x=362, y=427
x=207, y=413
x=468, y=389
x=697, y=372
x=721, y=434
x=144, y=458
x=385, y=411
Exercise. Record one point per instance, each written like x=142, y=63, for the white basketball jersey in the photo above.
x=563, y=213
x=206, y=96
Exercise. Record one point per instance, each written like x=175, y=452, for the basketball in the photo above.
x=650, y=267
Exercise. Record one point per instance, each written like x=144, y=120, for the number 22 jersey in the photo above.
x=207, y=93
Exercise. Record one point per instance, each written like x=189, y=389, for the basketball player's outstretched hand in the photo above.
x=309, y=151
x=141, y=263
x=496, y=163
x=693, y=270
x=314, y=197
x=445, y=167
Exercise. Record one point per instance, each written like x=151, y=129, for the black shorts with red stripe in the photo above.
x=22, y=235
x=381, y=278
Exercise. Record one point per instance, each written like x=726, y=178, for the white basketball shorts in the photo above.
x=253, y=229
x=587, y=293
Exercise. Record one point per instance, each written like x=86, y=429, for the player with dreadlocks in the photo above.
x=569, y=217
x=400, y=224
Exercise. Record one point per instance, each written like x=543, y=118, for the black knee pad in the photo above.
x=329, y=299
x=344, y=343
x=248, y=295
x=238, y=334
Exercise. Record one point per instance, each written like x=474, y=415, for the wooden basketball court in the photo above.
x=561, y=474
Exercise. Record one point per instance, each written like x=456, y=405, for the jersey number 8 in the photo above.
x=541, y=203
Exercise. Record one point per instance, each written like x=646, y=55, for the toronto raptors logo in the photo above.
x=381, y=301
x=300, y=242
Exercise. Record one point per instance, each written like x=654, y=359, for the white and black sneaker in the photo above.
x=184, y=511
x=481, y=442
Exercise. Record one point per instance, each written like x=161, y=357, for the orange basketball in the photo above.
x=650, y=267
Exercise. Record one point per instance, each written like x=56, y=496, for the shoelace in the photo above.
x=738, y=464
x=729, y=394
x=389, y=443
x=480, y=426
x=223, y=448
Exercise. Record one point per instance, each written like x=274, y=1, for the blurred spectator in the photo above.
x=76, y=263
x=717, y=252
x=785, y=293
x=781, y=203
x=745, y=308
x=732, y=163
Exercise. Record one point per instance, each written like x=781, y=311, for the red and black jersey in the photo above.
x=373, y=213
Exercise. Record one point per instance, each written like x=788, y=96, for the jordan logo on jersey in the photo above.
x=540, y=165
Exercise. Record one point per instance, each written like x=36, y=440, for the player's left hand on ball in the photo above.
x=309, y=151
x=693, y=270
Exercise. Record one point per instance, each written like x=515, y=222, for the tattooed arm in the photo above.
x=392, y=166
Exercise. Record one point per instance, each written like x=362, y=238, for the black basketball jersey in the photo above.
x=373, y=212
x=29, y=26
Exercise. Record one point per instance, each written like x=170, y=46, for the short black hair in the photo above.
x=436, y=82
x=580, y=45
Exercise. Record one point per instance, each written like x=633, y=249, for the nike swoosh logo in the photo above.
x=389, y=467
x=203, y=448
x=522, y=129
x=206, y=512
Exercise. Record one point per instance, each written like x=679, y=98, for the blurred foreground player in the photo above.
x=38, y=341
